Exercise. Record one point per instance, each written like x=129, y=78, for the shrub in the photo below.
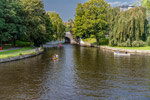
x=138, y=44
x=20, y=53
x=104, y=41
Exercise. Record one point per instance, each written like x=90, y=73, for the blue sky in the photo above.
x=66, y=8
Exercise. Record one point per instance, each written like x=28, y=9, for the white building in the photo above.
x=125, y=7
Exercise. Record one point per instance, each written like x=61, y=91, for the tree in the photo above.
x=35, y=22
x=78, y=30
x=70, y=26
x=111, y=14
x=11, y=18
x=91, y=19
x=58, y=25
x=129, y=30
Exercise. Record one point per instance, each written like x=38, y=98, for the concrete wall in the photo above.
x=117, y=49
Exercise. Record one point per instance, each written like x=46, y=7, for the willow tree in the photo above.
x=129, y=28
x=111, y=14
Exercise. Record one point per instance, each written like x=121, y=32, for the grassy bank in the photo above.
x=93, y=41
x=104, y=42
x=18, y=52
x=18, y=44
x=134, y=48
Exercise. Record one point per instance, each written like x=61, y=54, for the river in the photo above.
x=80, y=73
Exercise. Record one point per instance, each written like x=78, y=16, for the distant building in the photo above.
x=125, y=7
x=67, y=24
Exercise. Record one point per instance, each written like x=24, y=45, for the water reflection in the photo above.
x=81, y=73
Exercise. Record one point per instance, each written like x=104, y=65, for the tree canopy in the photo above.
x=91, y=19
x=25, y=19
x=58, y=25
x=11, y=20
x=129, y=28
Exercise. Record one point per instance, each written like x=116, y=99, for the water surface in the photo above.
x=81, y=73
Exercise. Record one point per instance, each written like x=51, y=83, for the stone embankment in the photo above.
x=36, y=52
x=116, y=49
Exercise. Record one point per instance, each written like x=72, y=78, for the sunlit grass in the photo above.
x=93, y=41
x=90, y=40
x=18, y=52
x=135, y=48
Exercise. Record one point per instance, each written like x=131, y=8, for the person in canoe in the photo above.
x=118, y=52
x=55, y=57
x=60, y=45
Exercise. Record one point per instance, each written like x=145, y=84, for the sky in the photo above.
x=66, y=8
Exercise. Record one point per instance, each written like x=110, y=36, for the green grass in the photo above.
x=93, y=41
x=90, y=40
x=135, y=48
x=18, y=52
x=104, y=42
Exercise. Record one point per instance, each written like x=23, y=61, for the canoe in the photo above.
x=54, y=58
x=121, y=54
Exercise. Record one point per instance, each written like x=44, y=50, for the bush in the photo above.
x=20, y=53
x=125, y=44
x=104, y=41
x=148, y=41
x=138, y=44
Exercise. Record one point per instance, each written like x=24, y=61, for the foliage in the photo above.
x=36, y=20
x=111, y=14
x=58, y=25
x=22, y=43
x=138, y=43
x=11, y=19
x=25, y=20
x=71, y=25
x=128, y=29
x=148, y=41
x=91, y=19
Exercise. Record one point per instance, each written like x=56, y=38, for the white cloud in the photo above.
x=117, y=3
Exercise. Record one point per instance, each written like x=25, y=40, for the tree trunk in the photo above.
x=31, y=45
x=14, y=42
x=98, y=41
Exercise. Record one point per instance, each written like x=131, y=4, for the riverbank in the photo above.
x=134, y=50
x=19, y=54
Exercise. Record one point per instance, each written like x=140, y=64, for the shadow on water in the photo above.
x=80, y=73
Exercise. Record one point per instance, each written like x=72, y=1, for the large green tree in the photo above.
x=11, y=20
x=36, y=21
x=91, y=19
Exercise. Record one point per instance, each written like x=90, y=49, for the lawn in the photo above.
x=93, y=41
x=18, y=52
x=135, y=48
x=104, y=42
